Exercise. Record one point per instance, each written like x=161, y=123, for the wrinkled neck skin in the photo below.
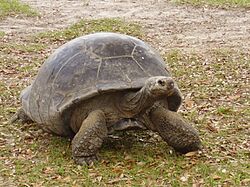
x=144, y=118
x=134, y=103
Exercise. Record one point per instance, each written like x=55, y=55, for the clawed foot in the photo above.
x=176, y=131
x=88, y=160
x=89, y=138
x=195, y=146
x=20, y=116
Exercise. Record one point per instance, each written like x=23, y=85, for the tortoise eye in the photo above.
x=161, y=82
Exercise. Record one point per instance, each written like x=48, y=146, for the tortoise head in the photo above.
x=160, y=86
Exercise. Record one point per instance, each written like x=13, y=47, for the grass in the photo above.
x=21, y=48
x=15, y=7
x=2, y=34
x=221, y=3
x=218, y=106
x=91, y=26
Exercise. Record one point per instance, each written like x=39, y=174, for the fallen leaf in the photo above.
x=48, y=170
x=234, y=97
x=190, y=154
x=245, y=181
x=184, y=178
x=211, y=128
x=67, y=179
x=117, y=170
x=99, y=178
x=117, y=180
x=216, y=177
x=189, y=103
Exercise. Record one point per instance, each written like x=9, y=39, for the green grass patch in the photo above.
x=22, y=48
x=225, y=111
x=139, y=165
x=91, y=26
x=221, y=3
x=2, y=34
x=15, y=7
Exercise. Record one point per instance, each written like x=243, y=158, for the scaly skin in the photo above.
x=20, y=115
x=89, y=138
x=90, y=132
x=175, y=130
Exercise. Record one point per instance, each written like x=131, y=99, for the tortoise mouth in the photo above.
x=160, y=86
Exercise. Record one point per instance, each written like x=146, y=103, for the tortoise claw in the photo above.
x=21, y=116
x=87, y=160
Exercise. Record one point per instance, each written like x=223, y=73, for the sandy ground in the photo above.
x=168, y=26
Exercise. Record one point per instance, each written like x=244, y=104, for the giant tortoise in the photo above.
x=101, y=83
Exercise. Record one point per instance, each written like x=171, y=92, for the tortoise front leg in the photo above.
x=175, y=130
x=89, y=138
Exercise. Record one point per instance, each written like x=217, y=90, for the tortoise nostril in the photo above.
x=161, y=82
x=171, y=84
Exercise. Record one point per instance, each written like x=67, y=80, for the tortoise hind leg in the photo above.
x=89, y=138
x=20, y=115
x=175, y=130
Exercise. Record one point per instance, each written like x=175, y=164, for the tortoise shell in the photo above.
x=85, y=67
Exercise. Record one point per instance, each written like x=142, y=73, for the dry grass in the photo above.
x=15, y=8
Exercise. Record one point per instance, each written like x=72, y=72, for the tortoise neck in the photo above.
x=134, y=103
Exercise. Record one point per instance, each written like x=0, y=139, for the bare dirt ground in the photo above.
x=168, y=26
